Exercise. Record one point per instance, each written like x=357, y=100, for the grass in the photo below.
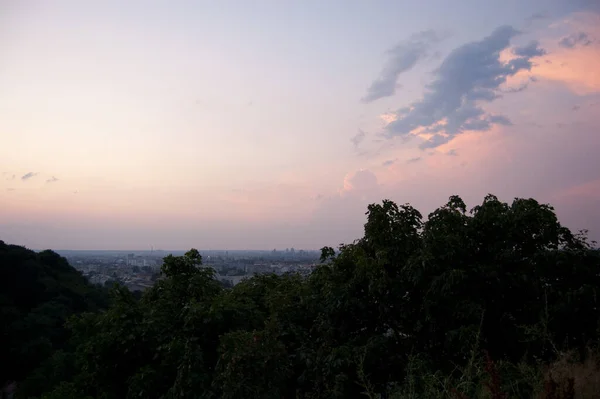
x=569, y=377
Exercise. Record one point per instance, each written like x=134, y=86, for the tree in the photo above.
x=411, y=294
x=38, y=292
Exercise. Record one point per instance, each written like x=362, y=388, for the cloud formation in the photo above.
x=358, y=138
x=570, y=66
x=362, y=180
x=575, y=39
x=28, y=176
x=402, y=58
x=413, y=160
x=52, y=180
x=389, y=162
x=470, y=75
x=536, y=17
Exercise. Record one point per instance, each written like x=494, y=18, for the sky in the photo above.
x=273, y=124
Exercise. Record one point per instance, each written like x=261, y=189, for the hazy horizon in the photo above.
x=179, y=251
x=272, y=125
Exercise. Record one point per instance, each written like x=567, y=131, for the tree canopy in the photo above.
x=504, y=283
x=38, y=292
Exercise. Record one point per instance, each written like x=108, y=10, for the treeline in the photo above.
x=465, y=304
x=38, y=293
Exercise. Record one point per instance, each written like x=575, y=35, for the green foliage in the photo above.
x=38, y=292
x=463, y=304
x=65, y=390
x=252, y=364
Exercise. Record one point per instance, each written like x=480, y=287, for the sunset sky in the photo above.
x=272, y=124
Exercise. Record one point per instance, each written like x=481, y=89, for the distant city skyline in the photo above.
x=272, y=124
x=175, y=251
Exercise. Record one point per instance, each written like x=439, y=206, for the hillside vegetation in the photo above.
x=497, y=302
x=38, y=292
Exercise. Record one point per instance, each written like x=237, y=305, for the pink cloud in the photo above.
x=572, y=51
x=575, y=68
x=360, y=181
x=557, y=163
